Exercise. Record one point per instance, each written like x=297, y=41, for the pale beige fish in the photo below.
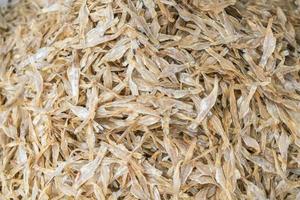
x=137, y=190
x=257, y=70
x=116, y=99
x=150, y=4
x=132, y=85
x=17, y=95
x=217, y=124
x=83, y=18
x=80, y=111
x=177, y=94
x=157, y=195
x=67, y=190
x=98, y=192
x=164, y=10
x=87, y=171
x=40, y=54
x=269, y=45
x=263, y=163
x=283, y=145
x=108, y=77
x=155, y=28
x=281, y=16
x=255, y=191
x=149, y=120
x=146, y=74
x=38, y=83
x=186, y=171
x=171, y=149
x=56, y=7
x=73, y=73
x=141, y=109
x=205, y=106
x=140, y=21
x=176, y=180
x=251, y=142
x=225, y=63
x=91, y=140
x=164, y=37
x=187, y=79
x=187, y=16
x=22, y=155
x=220, y=177
x=149, y=63
x=92, y=102
x=116, y=52
x=202, y=194
x=244, y=106
x=172, y=69
x=96, y=36
x=176, y=54
x=34, y=192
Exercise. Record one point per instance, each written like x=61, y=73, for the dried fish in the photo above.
x=149, y=99
x=205, y=105
x=74, y=76
x=117, y=52
x=244, y=105
x=268, y=45
x=87, y=171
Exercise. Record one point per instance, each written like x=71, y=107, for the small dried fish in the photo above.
x=115, y=53
x=269, y=44
x=74, y=76
x=83, y=18
x=40, y=54
x=205, y=105
x=87, y=171
x=244, y=105
x=80, y=111
x=283, y=145
x=139, y=20
x=121, y=100
x=255, y=191
x=133, y=87
x=96, y=36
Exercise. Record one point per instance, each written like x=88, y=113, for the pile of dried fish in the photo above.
x=150, y=99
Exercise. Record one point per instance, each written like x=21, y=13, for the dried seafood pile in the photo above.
x=150, y=99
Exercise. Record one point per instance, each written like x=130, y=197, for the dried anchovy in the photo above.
x=149, y=99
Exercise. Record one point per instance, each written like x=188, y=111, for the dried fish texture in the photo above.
x=149, y=99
